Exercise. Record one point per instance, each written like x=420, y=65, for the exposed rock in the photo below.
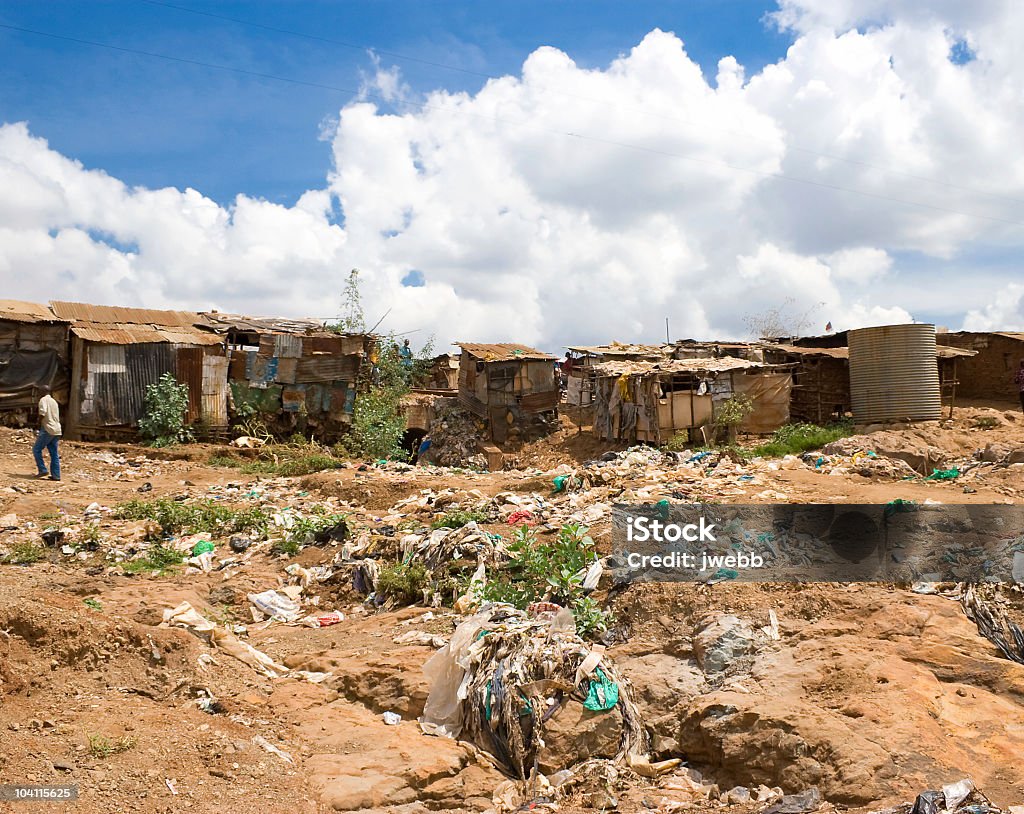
x=721, y=641
x=575, y=733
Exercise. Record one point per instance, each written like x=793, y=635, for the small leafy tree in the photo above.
x=377, y=422
x=731, y=413
x=166, y=405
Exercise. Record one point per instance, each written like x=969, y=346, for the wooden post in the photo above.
x=952, y=396
x=671, y=404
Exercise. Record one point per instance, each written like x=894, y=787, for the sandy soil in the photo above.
x=870, y=693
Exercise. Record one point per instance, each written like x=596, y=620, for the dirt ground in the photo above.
x=869, y=693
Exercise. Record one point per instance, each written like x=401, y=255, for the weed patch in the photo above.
x=157, y=559
x=200, y=516
x=101, y=746
x=457, y=518
x=550, y=571
x=793, y=439
x=403, y=582
x=24, y=553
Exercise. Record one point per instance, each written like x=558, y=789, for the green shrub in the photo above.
x=403, y=582
x=165, y=406
x=457, y=518
x=986, y=422
x=101, y=746
x=24, y=553
x=286, y=547
x=793, y=439
x=199, y=516
x=158, y=558
x=550, y=570
x=281, y=460
x=307, y=529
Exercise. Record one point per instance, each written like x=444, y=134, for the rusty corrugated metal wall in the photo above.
x=189, y=371
x=115, y=378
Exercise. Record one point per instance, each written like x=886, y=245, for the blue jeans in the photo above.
x=46, y=441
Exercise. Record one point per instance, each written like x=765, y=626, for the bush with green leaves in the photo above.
x=207, y=516
x=377, y=421
x=403, y=582
x=731, y=413
x=378, y=424
x=165, y=409
x=457, y=518
x=793, y=439
x=159, y=558
x=550, y=571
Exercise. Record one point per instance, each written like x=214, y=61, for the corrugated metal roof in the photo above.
x=619, y=349
x=942, y=351
x=21, y=311
x=115, y=314
x=948, y=351
x=503, y=351
x=796, y=350
x=237, y=322
x=129, y=334
x=721, y=364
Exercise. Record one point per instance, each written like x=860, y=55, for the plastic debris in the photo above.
x=504, y=674
x=259, y=740
x=392, y=718
x=276, y=605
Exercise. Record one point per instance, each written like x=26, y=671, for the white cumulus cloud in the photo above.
x=586, y=204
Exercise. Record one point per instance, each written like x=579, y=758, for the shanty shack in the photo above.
x=647, y=401
x=116, y=353
x=581, y=362
x=33, y=354
x=294, y=374
x=506, y=383
x=441, y=373
x=989, y=373
x=821, y=381
x=821, y=377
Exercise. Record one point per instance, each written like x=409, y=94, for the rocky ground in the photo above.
x=868, y=693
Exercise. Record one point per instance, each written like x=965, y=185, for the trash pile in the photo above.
x=507, y=677
x=954, y=798
x=455, y=437
x=445, y=546
x=988, y=609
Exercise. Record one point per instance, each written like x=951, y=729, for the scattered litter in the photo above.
x=259, y=740
x=324, y=620
x=276, y=605
x=392, y=718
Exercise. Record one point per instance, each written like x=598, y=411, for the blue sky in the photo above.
x=856, y=160
x=156, y=123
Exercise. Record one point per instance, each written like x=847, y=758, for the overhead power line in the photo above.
x=524, y=124
x=603, y=102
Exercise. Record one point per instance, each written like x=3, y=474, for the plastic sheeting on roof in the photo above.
x=503, y=351
x=721, y=364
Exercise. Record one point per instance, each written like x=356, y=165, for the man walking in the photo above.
x=1019, y=381
x=49, y=436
